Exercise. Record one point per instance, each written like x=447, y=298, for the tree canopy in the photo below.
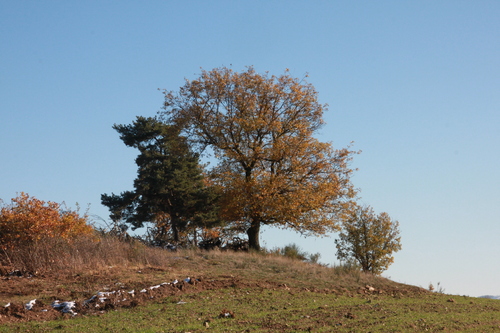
x=170, y=189
x=272, y=170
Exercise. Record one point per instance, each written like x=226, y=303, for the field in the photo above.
x=225, y=292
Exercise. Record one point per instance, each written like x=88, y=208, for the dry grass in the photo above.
x=284, y=270
x=82, y=254
x=90, y=255
x=110, y=256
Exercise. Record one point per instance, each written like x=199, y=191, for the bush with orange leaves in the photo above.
x=28, y=220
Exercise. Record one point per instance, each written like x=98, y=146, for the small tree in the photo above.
x=28, y=220
x=369, y=239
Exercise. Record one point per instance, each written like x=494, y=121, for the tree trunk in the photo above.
x=175, y=231
x=253, y=236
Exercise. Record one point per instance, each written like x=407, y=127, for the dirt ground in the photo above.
x=47, y=289
x=97, y=293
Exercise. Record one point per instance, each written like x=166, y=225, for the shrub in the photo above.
x=295, y=252
x=28, y=220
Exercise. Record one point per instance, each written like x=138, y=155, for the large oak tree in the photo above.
x=271, y=167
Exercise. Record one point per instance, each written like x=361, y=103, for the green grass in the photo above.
x=281, y=310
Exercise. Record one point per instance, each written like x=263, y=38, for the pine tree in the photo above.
x=170, y=189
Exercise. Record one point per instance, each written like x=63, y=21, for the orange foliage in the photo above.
x=271, y=167
x=212, y=233
x=28, y=220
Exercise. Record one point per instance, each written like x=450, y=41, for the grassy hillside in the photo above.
x=227, y=292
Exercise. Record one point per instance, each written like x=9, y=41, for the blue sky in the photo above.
x=415, y=85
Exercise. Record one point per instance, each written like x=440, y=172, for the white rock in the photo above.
x=30, y=304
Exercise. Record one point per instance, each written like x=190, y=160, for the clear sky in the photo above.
x=415, y=84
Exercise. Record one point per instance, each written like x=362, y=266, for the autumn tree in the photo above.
x=260, y=129
x=170, y=189
x=369, y=239
x=27, y=220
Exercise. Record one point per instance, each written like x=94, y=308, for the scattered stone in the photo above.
x=226, y=314
x=350, y=315
x=30, y=304
x=64, y=307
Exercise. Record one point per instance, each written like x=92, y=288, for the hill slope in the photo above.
x=232, y=292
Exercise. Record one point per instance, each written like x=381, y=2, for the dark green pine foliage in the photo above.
x=169, y=189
